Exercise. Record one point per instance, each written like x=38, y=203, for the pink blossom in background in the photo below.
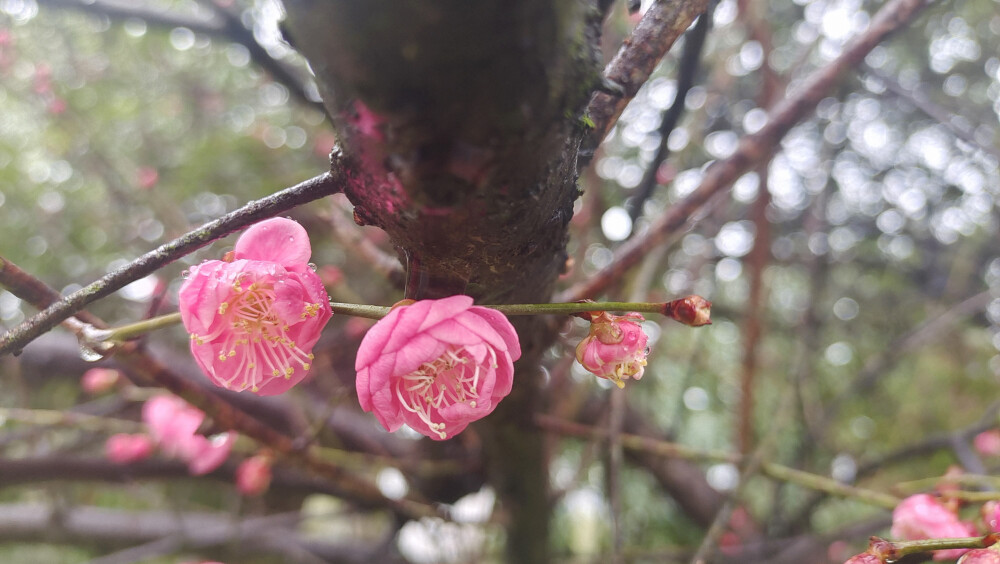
x=436, y=365
x=990, y=512
x=989, y=555
x=987, y=443
x=922, y=516
x=99, y=380
x=253, y=476
x=126, y=449
x=254, y=321
x=174, y=423
x=864, y=558
x=615, y=349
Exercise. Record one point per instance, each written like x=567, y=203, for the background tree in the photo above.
x=830, y=188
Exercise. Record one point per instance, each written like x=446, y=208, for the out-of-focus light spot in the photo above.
x=678, y=140
x=746, y=187
x=694, y=245
x=273, y=94
x=237, y=55
x=735, y=238
x=36, y=246
x=754, y=120
x=890, y=221
x=295, y=137
x=725, y=332
x=687, y=181
x=695, y=398
x=10, y=305
x=677, y=281
x=135, y=27
x=616, y=224
x=51, y=201
x=843, y=468
x=662, y=93
x=842, y=239
x=751, y=55
x=630, y=175
x=728, y=269
x=721, y=144
x=696, y=98
x=609, y=167
x=392, y=483
x=839, y=354
x=723, y=477
x=846, y=309
x=181, y=38
x=724, y=13
x=141, y=290
x=955, y=85
x=475, y=507
x=274, y=137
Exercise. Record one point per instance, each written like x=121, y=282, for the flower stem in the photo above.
x=681, y=310
x=890, y=550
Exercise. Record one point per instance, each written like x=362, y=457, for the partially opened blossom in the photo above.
x=987, y=443
x=254, y=320
x=864, y=558
x=173, y=424
x=123, y=448
x=99, y=380
x=253, y=475
x=989, y=555
x=922, y=516
x=436, y=365
x=615, y=348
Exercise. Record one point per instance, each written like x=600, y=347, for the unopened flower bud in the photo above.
x=864, y=558
x=253, y=475
x=691, y=310
x=989, y=555
x=99, y=380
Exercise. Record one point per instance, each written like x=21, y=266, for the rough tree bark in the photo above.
x=465, y=120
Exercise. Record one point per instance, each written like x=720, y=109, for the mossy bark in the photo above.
x=464, y=120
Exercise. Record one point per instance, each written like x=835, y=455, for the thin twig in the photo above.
x=656, y=32
x=314, y=188
x=753, y=149
x=694, y=43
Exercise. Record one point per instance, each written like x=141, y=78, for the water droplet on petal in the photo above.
x=312, y=266
x=186, y=274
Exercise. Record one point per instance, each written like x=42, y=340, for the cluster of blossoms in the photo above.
x=926, y=517
x=434, y=365
x=173, y=428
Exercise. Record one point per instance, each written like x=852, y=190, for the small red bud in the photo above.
x=691, y=310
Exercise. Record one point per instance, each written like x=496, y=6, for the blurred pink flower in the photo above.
x=990, y=512
x=126, y=449
x=253, y=476
x=615, y=348
x=174, y=423
x=99, y=380
x=989, y=555
x=255, y=320
x=864, y=558
x=922, y=516
x=436, y=365
x=987, y=443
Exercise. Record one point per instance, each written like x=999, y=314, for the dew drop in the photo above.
x=88, y=354
x=186, y=274
x=312, y=266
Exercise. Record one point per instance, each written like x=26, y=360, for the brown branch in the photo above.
x=34, y=291
x=639, y=54
x=323, y=185
x=25, y=522
x=224, y=24
x=752, y=150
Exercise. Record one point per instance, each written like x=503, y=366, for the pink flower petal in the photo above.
x=278, y=240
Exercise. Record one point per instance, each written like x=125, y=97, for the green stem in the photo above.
x=125, y=332
x=132, y=330
x=378, y=312
x=899, y=549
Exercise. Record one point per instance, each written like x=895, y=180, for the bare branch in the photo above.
x=323, y=185
x=639, y=54
x=753, y=149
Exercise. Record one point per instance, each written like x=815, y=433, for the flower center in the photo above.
x=451, y=378
x=256, y=337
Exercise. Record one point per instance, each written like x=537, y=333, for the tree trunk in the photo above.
x=465, y=118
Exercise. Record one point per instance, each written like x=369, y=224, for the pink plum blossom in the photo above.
x=99, y=380
x=989, y=555
x=254, y=321
x=253, y=475
x=123, y=448
x=990, y=512
x=987, y=443
x=864, y=558
x=922, y=516
x=615, y=348
x=436, y=365
x=174, y=423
